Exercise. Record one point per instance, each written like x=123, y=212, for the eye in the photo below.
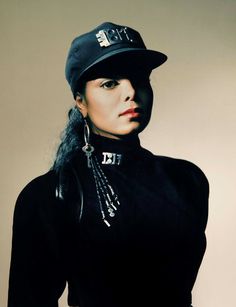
x=109, y=84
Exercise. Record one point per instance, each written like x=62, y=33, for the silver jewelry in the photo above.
x=111, y=158
x=87, y=148
x=107, y=198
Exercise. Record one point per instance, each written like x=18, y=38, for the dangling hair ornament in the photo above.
x=107, y=198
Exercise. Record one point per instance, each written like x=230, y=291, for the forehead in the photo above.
x=129, y=72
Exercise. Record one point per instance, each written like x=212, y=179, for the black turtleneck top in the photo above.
x=149, y=256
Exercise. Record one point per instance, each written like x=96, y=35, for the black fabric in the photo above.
x=87, y=53
x=151, y=254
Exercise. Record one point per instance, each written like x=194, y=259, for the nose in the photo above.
x=129, y=91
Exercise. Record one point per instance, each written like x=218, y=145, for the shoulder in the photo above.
x=38, y=193
x=183, y=170
x=177, y=165
x=177, y=168
x=180, y=173
x=39, y=185
x=189, y=182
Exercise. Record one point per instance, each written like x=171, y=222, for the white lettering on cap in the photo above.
x=113, y=36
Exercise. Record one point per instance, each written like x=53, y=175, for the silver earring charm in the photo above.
x=107, y=198
x=88, y=149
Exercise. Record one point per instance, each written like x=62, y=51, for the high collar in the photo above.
x=123, y=146
x=115, y=152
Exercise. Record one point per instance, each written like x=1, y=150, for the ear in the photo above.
x=81, y=104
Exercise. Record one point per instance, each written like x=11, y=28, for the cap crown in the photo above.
x=105, y=41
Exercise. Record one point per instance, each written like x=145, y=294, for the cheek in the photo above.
x=94, y=103
x=100, y=110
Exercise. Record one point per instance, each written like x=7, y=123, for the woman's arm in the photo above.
x=37, y=273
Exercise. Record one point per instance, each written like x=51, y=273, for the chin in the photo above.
x=133, y=128
x=131, y=131
x=139, y=127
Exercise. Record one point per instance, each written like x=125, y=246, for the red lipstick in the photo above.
x=132, y=112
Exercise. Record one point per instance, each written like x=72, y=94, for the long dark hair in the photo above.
x=71, y=140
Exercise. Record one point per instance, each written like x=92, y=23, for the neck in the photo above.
x=115, y=136
x=125, y=144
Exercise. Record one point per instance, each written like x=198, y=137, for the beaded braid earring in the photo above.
x=107, y=198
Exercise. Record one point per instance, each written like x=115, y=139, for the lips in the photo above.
x=132, y=112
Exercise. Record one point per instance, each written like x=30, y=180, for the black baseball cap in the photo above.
x=105, y=45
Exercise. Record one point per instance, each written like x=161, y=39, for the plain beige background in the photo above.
x=194, y=116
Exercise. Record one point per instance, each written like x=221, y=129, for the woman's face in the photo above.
x=117, y=106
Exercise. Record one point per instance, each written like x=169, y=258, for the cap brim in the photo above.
x=148, y=59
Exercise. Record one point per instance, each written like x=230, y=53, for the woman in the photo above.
x=121, y=226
